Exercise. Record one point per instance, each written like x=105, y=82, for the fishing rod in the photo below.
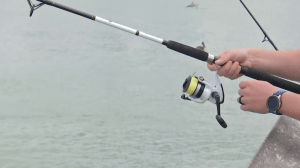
x=173, y=45
x=197, y=88
x=266, y=38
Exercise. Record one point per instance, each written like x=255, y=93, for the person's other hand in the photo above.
x=254, y=95
x=231, y=62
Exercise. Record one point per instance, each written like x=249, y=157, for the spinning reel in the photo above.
x=200, y=90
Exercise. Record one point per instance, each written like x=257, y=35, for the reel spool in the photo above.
x=200, y=90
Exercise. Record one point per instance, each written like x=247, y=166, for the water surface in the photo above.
x=75, y=93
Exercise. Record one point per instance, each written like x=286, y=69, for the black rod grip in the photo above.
x=187, y=50
x=276, y=81
x=66, y=8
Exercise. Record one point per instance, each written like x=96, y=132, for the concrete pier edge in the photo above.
x=281, y=147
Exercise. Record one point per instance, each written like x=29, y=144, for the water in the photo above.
x=75, y=93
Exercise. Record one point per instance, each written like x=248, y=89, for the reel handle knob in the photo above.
x=221, y=121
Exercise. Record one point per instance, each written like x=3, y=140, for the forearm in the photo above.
x=290, y=105
x=281, y=63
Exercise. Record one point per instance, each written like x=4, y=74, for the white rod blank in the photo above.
x=129, y=30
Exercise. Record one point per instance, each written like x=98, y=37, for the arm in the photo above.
x=290, y=106
x=281, y=63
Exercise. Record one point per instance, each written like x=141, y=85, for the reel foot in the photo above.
x=185, y=98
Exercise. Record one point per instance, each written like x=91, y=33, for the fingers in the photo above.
x=230, y=70
x=245, y=107
x=244, y=98
x=234, y=71
x=254, y=94
x=243, y=95
x=224, y=58
x=237, y=73
x=244, y=88
x=244, y=103
x=243, y=84
x=212, y=67
x=230, y=62
x=225, y=69
x=242, y=92
x=239, y=100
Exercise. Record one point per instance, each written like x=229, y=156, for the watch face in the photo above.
x=273, y=103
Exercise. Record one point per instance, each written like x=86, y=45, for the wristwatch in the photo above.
x=274, y=103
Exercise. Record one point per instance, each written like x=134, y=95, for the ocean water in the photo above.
x=75, y=93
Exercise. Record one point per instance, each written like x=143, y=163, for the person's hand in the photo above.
x=254, y=95
x=231, y=62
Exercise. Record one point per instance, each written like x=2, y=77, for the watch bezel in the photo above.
x=278, y=104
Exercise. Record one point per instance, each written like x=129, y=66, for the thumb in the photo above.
x=224, y=58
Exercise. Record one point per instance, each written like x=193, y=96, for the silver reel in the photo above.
x=199, y=90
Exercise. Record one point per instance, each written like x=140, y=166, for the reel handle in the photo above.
x=220, y=120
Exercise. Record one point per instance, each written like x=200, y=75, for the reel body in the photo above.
x=199, y=90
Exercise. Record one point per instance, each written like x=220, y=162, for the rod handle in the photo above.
x=187, y=50
x=276, y=81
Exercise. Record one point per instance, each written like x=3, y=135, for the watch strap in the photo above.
x=279, y=93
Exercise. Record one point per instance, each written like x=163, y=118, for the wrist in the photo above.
x=274, y=102
x=283, y=103
x=246, y=57
x=252, y=56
